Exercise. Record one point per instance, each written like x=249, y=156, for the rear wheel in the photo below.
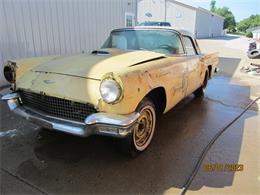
x=142, y=133
x=201, y=91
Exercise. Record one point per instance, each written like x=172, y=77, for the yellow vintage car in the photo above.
x=118, y=90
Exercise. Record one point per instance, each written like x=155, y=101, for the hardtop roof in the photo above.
x=179, y=31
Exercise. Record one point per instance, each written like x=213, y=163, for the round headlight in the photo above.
x=110, y=90
x=9, y=73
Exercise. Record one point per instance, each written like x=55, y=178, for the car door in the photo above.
x=193, y=65
x=176, y=71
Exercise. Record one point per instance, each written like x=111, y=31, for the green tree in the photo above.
x=213, y=5
x=229, y=21
x=252, y=21
x=249, y=34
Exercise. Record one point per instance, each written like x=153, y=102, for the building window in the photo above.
x=129, y=19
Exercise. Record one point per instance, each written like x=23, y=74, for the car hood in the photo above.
x=95, y=65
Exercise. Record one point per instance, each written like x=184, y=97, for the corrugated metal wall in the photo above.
x=208, y=25
x=45, y=27
x=203, y=24
x=217, y=26
x=181, y=16
x=154, y=7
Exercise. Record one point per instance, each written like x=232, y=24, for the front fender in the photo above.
x=24, y=65
x=136, y=85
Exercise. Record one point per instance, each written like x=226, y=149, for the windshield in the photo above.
x=161, y=41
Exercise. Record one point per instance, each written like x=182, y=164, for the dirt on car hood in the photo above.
x=95, y=65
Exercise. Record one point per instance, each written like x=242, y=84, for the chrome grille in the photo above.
x=57, y=107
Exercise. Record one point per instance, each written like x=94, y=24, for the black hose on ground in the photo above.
x=209, y=145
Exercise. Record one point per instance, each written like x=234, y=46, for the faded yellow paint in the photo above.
x=95, y=66
x=24, y=65
x=78, y=77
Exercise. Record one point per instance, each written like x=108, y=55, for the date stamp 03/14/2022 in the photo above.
x=219, y=167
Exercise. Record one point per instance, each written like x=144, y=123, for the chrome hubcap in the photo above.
x=143, y=131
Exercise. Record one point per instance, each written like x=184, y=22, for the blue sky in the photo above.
x=240, y=8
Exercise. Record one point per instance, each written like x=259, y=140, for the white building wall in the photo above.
x=203, y=24
x=180, y=17
x=217, y=26
x=208, y=25
x=256, y=34
x=50, y=27
x=154, y=7
x=171, y=11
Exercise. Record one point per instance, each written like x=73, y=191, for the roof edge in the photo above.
x=180, y=31
x=185, y=5
x=196, y=8
x=205, y=10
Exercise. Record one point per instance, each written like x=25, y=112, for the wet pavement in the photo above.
x=40, y=161
x=43, y=161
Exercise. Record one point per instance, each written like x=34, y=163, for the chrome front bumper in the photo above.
x=99, y=123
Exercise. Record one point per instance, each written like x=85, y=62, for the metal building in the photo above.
x=57, y=27
x=255, y=31
x=208, y=24
x=198, y=21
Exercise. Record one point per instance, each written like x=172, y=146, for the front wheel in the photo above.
x=142, y=132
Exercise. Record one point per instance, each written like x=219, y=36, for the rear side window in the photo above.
x=189, y=46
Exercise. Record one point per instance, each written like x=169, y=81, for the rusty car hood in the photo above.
x=76, y=77
x=94, y=66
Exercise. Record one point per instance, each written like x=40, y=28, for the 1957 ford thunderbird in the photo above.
x=118, y=90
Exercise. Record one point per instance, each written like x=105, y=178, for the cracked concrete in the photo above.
x=26, y=185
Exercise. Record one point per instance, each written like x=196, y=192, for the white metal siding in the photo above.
x=208, y=25
x=256, y=34
x=217, y=26
x=196, y=20
x=180, y=17
x=203, y=24
x=155, y=7
x=46, y=27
